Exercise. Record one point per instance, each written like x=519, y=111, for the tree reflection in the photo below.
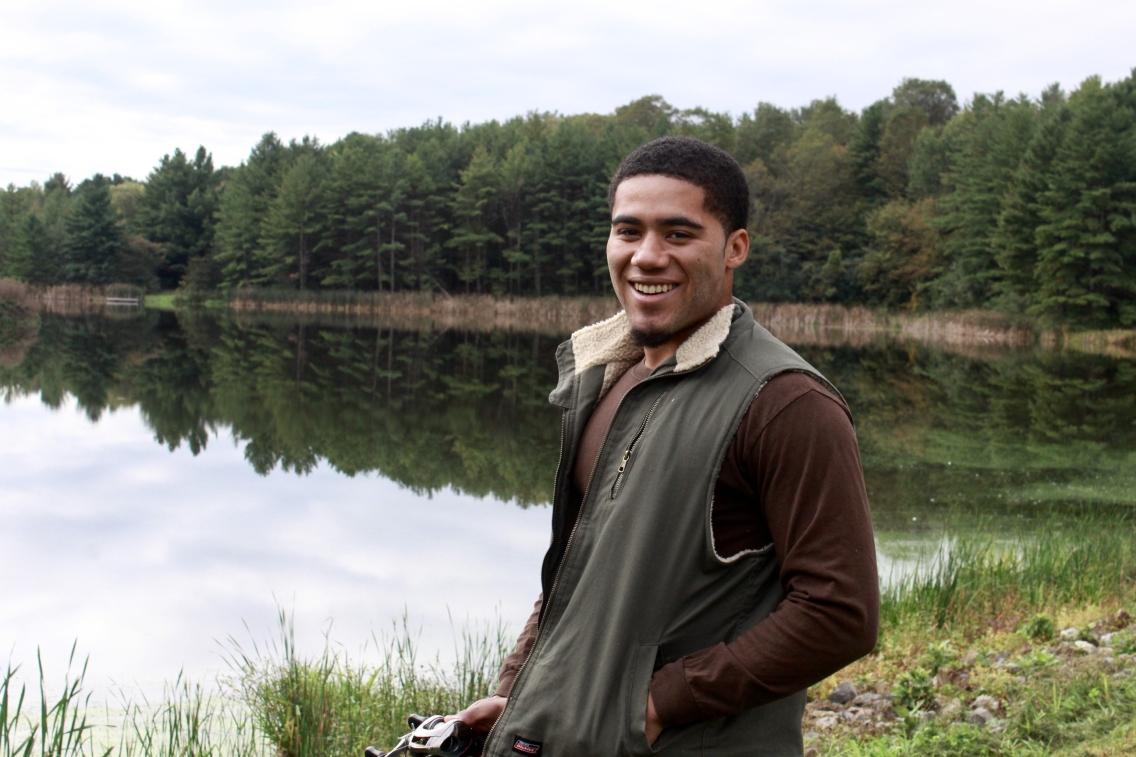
x=468, y=409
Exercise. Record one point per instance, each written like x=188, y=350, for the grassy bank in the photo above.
x=1016, y=646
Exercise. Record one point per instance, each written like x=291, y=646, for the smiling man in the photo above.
x=712, y=551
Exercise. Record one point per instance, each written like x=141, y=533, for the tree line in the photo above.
x=1027, y=205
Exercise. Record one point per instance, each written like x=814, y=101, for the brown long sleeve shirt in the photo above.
x=791, y=478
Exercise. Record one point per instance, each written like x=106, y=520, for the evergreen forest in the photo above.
x=1021, y=204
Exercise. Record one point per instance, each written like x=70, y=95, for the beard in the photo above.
x=643, y=338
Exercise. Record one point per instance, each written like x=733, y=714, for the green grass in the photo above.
x=330, y=705
x=162, y=301
x=975, y=580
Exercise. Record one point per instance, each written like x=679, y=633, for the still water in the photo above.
x=167, y=482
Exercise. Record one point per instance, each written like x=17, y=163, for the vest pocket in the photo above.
x=642, y=667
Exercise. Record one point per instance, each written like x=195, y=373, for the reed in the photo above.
x=423, y=310
x=330, y=705
x=974, y=580
x=58, y=727
x=189, y=721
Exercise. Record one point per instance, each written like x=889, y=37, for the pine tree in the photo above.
x=177, y=211
x=94, y=239
x=289, y=231
x=32, y=257
x=243, y=207
x=1015, y=239
x=1086, y=266
x=997, y=135
x=471, y=233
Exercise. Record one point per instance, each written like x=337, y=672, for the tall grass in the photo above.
x=330, y=705
x=189, y=721
x=975, y=579
x=57, y=728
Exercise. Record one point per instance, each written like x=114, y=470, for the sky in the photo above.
x=111, y=85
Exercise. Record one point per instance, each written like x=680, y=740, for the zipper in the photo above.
x=631, y=447
x=547, y=601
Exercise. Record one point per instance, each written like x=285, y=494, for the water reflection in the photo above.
x=148, y=551
x=425, y=409
x=468, y=410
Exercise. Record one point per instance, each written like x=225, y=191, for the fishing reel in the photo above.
x=434, y=737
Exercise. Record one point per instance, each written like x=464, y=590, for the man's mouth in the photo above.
x=653, y=288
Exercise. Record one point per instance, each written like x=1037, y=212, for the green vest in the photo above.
x=635, y=582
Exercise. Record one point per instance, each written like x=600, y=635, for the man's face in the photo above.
x=670, y=260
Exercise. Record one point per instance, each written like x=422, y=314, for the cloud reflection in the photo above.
x=147, y=556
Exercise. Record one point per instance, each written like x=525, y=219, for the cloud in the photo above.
x=111, y=86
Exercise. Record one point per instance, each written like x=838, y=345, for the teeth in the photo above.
x=653, y=288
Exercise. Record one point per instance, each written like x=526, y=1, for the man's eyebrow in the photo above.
x=682, y=221
x=675, y=221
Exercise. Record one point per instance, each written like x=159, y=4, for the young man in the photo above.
x=712, y=551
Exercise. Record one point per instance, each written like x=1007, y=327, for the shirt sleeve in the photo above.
x=516, y=658
x=797, y=450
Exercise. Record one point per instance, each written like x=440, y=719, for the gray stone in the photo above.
x=986, y=702
x=867, y=698
x=825, y=723
x=952, y=710
x=1106, y=639
x=844, y=693
x=1086, y=647
x=981, y=717
x=1070, y=634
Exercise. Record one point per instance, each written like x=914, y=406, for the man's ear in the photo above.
x=737, y=249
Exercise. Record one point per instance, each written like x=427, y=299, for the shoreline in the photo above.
x=797, y=324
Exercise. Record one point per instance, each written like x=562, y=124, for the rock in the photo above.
x=952, y=710
x=1070, y=634
x=844, y=693
x=949, y=677
x=812, y=752
x=986, y=702
x=1086, y=647
x=1122, y=618
x=867, y=699
x=1106, y=638
x=826, y=723
x=981, y=717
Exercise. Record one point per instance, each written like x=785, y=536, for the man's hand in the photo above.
x=654, y=727
x=482, y=714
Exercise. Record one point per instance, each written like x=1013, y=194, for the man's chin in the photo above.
x=647, y=338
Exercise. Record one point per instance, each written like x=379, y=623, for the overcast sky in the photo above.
x=112, y=85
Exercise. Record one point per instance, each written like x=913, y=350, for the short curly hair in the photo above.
x=714, y=170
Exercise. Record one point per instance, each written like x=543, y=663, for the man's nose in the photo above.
x=651, y=252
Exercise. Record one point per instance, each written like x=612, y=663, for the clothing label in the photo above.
x=524, y=746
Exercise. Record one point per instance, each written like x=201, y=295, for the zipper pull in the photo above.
x=623, y=463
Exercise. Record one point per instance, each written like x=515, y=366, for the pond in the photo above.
x=168, y=481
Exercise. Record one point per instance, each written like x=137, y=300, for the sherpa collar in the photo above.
x=609, y=343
